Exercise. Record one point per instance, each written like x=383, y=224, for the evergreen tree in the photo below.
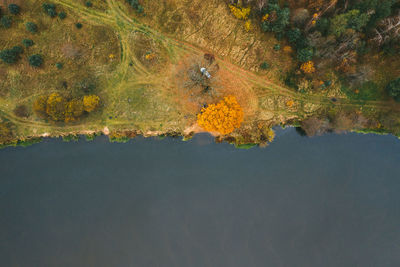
x=35, y=60
x=6, y=22
x=31, y=27
x=12, y=55
x=27, y=42
x=50, y=9
x=14, y=9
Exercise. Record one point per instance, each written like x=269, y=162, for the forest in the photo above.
x=354, y=44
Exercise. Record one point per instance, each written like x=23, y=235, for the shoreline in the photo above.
x=123, y=136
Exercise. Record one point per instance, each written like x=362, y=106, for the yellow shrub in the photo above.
x=270, y=134
x=223, y=117
x=240, y=12
x=90, y=102
x=308, y=67
x=247, y=25
x=290, y=103
x=150, y=56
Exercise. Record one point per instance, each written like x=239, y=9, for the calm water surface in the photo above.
x=324, y=201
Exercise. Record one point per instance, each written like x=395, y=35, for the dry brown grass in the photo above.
x=210, y=25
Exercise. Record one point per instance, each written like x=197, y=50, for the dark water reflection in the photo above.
x=325, y=201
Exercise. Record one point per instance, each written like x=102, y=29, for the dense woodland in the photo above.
x=332, y=35
x=353, y=45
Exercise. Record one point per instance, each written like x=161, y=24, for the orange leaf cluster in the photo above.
x=223, y=117
x=290, y=103
x=308, y=67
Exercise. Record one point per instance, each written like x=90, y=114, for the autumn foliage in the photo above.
x=55, y=107
x=223, y=117
x=308, y=67
x=90, y=102
x=73, y=110
x=58, y=108
x=240, y=12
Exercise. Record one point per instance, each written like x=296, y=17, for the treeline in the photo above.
x=59, y=108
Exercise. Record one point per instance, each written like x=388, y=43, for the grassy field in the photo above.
x=138, y=65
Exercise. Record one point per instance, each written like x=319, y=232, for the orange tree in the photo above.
x=223, y=117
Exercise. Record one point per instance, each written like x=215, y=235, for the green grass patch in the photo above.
x=367, y=91
x=245, y=146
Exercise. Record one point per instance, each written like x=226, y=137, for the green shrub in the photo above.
x=246, y=146
x=278, y=25
x=86, y=86
x=35, y=60
x=91, y=137
x=12, y=55
x=264, y=65
x=291, y=80
x=62, y=15
x=9, y=57
x=293, y=35
x=14, y=9
x=88, y=4
x=277, y=47
x=27, y=42
x=70, y=138
x=50, y=9
x=17, y=49
x=305, y=54
x=6, y=22
x=31, y=27
x=78, y=25
x=135, y=4
x=59, y=65
x=140, y=9
x=118, y=139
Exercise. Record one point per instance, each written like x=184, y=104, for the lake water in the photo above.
x=323, y=201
